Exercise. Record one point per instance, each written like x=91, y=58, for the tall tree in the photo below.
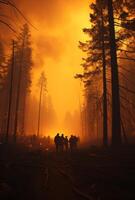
x=42, y=88
x=116, y=122
x=23, y=59
x=97, y=51
x=10, y=94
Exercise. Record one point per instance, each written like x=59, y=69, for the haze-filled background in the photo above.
x=59, y=26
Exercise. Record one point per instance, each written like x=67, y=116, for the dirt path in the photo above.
x=59, y=185
x=84, y=175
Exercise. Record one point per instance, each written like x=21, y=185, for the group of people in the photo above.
x=62, y=143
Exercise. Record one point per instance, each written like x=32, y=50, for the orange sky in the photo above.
x=55, y=47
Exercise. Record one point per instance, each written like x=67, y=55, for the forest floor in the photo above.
x=93, y=174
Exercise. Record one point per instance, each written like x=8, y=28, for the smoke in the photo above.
x=59, y=25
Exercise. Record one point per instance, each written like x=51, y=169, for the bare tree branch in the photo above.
x=6, y=2
x=8, y=25
x=126, y=50
x=19, y=11
x=127, y=89
x=124, y=58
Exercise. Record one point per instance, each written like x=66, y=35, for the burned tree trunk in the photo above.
x=116, y=125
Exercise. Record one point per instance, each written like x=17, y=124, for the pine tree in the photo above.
x=125, y=35
x=98, y=55
x=23, y=62
x=42, y=88
x=116, y=124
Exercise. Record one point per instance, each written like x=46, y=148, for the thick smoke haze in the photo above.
x=59, y=26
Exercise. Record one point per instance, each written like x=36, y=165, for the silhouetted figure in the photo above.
x=57, y=141
x=66, y=143
x=76, y=140
x=62, y=139
x=73, y=141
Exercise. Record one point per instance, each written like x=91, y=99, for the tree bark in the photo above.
x=18, y=93
x=105, y=124
x=116, y=125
